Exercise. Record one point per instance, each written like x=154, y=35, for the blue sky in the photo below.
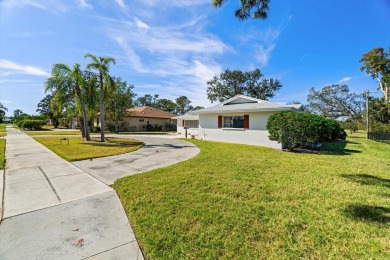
x=173, y=47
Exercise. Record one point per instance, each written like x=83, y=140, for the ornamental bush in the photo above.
x=31, y=124
x=294, y=129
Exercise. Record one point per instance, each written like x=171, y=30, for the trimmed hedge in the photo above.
x=31, y=124
x=294, y=129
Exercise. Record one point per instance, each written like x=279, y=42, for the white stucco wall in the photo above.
x=257, y=133
x=190, y=131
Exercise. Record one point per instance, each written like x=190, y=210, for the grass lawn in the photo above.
x=237, y=201
x=2, y=153
x=145, y=133
x=2, y=130
x=78, y=149
x=52, y=132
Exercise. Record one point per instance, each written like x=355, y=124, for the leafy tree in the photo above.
x=147, y=100
x=67, y=80
x=17, y=113
x=196, y=108
x=230, y=83
x=335, y=102
x=256, y=9
x=117, y=101
x=376, y=62
x=166, y=105
x=183, y=105
x=3, y=109
x=101, y=64
x=379, y=112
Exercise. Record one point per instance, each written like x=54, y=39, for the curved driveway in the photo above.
x=157, y=152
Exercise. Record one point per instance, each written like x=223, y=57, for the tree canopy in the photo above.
x=335, y=102
x=235, y=82
x=376, y=63
x=256, y=9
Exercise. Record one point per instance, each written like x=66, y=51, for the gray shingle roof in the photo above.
x=253, y=105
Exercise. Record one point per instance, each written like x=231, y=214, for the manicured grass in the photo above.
x=246, y=202
x=2, y=153
x=3, y=130
x=52, y=132
x=78, y=149
x=145, y=133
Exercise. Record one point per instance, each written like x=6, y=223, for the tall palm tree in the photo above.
x=2, y=112
x=65, y=79
x=101, y=64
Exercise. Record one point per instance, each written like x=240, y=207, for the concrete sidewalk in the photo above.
x=54, y=210
x=157, y=152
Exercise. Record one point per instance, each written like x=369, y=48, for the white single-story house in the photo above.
x=240, y=119
x=189, y=123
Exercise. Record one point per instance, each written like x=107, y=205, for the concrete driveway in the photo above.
x=157, y=152
x=57, y=210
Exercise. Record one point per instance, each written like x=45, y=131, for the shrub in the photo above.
x=31, y=124
x=294, y=129
x=96, y=129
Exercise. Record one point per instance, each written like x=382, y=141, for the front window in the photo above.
x=233, y=122
x=191, y=123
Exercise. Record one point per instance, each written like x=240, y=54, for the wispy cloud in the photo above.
x=5, y=102
x=48, y=5
x=121, y=3
x=15, y=68
x=263, y=54
x=83, y=4
x=344, y=80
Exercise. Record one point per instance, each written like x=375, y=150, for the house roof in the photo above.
x=148, y=112
x=241, y=103
x=187, y=117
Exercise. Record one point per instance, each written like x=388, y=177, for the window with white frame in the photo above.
x=191, y=123
x=233, y=121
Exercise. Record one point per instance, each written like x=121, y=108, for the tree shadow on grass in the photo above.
x=368, y=213
x=337, y=148
x=112, y=144
x=367, y=179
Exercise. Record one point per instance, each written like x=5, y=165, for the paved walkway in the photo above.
x=54, y=210
x=157, y=152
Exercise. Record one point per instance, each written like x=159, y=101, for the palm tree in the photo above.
x=102, y=64
x=69, y=80
x=2, y=112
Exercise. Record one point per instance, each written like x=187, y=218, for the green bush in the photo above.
x=31, y=124
x=96, y=129
x=294, y=129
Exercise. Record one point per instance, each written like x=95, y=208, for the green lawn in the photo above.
x=246, y=202
x=78, y=149
x=52, y=132
x=2, y=130
x=2, y=153
x=146, y=133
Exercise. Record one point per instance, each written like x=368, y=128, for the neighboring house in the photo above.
x=189, y=122
x=143, y=119
x=240, y=119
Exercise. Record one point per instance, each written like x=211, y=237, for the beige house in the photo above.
x=143, y=119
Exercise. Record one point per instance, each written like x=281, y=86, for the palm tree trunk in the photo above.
x=81, y=120
x=102, y=122
x=85, y=117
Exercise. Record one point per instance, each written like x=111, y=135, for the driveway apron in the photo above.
x=54, y=210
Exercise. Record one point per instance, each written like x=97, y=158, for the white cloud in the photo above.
x=131, y=56
x=141, y=25
x=83, y=4
x=5, y=102
x=13, y=67
x=48, y=5
x=263, y=54
x=121, y=3
x=344, y=80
